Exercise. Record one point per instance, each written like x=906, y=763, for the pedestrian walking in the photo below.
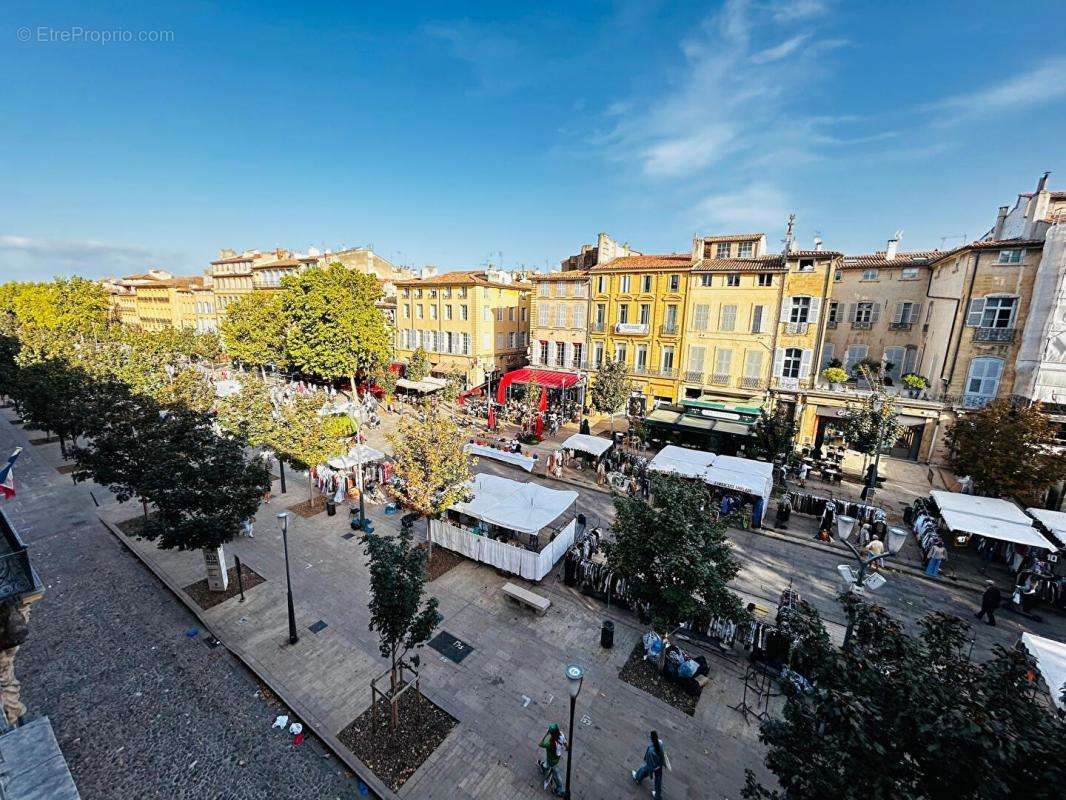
x=936, y=558
x=554, y=745
x=654, y=761
x=247, y=526
x=990, y=601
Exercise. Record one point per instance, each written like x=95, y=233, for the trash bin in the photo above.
x=607, y=634
x=581, y=522
x=331, y=508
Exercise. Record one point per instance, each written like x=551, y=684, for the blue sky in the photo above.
x=447, y=134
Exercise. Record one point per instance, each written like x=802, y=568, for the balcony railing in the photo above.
x=655, y=372
x=751, y=383
x=718, y=379
x=993, y=335
x=975, y=401
x=832, y=323
x=598, y=327
x=669, y=329
x=631, y=328
x=900, y=326
x=693, y=377
x=796, y=328
x=861, y=326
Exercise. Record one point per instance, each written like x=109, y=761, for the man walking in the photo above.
x=554, y=745
x=654, y=761
x=990, y=601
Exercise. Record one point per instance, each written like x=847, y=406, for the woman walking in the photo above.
x=654, y=760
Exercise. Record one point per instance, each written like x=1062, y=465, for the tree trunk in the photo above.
x=355, y=393
x=263, y=372
x=63, y=446
x=394, y=720
x=144, y=505
x=310, y=491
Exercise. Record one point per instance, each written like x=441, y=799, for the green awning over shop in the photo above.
x=675, y=418
x=714, y=405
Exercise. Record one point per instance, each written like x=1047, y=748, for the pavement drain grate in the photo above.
x=348, y=536
x=449, y=647
x=212, y=642
x=318, y=627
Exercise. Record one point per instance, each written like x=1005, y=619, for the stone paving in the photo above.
x=511, y=686
x=140, y=710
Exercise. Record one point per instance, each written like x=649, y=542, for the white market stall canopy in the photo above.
x=1051, y=661
x=989, y=517
x=727, y=472
x=1054, y=521
x=426, y=385
x=593, y=445
x=525, y=507
x=484, y=450
x=359, y=454
x=682, y=461
x=225, y=388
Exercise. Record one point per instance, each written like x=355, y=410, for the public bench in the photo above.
x=526, y=597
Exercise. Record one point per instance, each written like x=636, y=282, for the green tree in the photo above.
x=774, y=432
x=871, y=421
x=303, y=438
x=430, y=463
x=454, y=385
x=385, y=379
x=1009, y=449
x=674, y=555
x=189, y=389
x=254, y=329
x=417, y=366
x=901, y=716
x=335, y=329
x=611, y=389
x=249, y=415
x=54, y=398
x=397, y=584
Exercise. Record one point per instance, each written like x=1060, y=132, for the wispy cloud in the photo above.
x=1041, y=85
x=494, y=57
x=31, y=257
x=733, y=96
x=760, y=206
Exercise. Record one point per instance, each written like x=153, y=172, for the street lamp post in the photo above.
x=574, y=676
x=283, y=523
x=894, y=541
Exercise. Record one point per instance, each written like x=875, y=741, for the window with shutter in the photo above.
x=579, y=315
x=728, y=319
x=695, y=358
x=816, y=305
x=542, y=315
x=753, y=364
x=757, y=319
x=792, y=363
x=805, y=363
x=723, y=361
x=976, y=311
x=827, y=354
x=779, y=361
x=894, y=361
x=560, y=315
x=699, y=317
x=856, y=353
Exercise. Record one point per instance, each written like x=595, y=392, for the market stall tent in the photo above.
x=593, y=445
x=988, y=517
x=682, y=461
x=424, y=386
x=726, y=472
x=1050, y=657
x=1054, y=521
x=360, y=454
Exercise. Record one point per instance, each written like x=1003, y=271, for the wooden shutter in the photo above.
x=827, y=353
x=916, y=314
x=875, y=312
x=779, y=361
x=805, y=363
x=786, y=307
x=976, y=311
x=852, y=308
x=756, y=319
x=897, y=315
x=816, y=307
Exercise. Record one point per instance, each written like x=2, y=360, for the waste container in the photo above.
x=607, y=634
x=331, y=508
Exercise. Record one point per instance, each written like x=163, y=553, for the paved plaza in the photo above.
x=89, y=653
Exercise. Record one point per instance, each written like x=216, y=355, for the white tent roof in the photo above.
x=987, y=516
x=225, y=388
x=1051, y=661
x=427, y=384
x=1054, y=520
x=360, y=451
x=743, y=474
x=728, y=472
x=682, y=461
x=526, y=507
x=595, y=445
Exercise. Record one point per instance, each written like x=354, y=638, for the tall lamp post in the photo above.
x=574, y=676
x=283, y=523
x=860, y=580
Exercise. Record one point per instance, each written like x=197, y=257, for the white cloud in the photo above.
x=1043, y=84
x=732, y=98
x=760, y=206
x=41, y=258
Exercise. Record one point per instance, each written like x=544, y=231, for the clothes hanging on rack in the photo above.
x=812, y=505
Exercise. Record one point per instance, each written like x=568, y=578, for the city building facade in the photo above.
x=559, y=330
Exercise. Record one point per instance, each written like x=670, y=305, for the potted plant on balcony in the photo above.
x=916, y=384
x=835, y=376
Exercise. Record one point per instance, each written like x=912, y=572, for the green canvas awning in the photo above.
x=715, y=405
x=674, y=418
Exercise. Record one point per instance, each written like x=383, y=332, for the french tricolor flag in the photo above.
x=7, y=476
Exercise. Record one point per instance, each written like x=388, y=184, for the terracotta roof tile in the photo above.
x=916, y=258
x=815, y=254
x=733, y=237
x=564, y=275
x=992, y=244
x=461, y=278
x=641, y=263
x=771, y=263
x=233, y=260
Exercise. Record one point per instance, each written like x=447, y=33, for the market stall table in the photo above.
x=519, y=460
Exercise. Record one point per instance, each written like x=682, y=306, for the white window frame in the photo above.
x=745, y=249
x=722, y=250
x=1012, y=256
x=870, y=274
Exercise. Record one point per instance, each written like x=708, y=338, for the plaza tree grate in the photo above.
x=450, y=647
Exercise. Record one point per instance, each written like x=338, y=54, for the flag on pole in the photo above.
x=7, y=476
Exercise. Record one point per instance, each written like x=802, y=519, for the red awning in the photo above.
x=542, y=377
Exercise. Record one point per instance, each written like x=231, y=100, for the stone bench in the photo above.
x=526, y=597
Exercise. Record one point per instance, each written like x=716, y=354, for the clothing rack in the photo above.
x=813, y=505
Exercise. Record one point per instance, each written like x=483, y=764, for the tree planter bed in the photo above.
x=205, y=598
x=643, y=675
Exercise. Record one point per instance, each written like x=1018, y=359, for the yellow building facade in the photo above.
x=637, y=316
x=559, y=313
x=473, y=322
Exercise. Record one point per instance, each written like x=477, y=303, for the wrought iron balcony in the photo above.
x=975, y=401
x=694, y=377
x=598, y=327
x=719, y=379
x=669, y=329
x=900, y=326
x=1004, y=335
x=832, y=323
x=796, y=328
x=861, y=326
x=751, y=383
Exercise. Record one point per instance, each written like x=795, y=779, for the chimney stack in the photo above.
x=818, y=243
x=790, y=243
x=1001, y=220
x=893, y=246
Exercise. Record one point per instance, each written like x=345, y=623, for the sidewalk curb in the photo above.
x=343, y=755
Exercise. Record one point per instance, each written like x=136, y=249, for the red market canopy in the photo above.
x=542, y=377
